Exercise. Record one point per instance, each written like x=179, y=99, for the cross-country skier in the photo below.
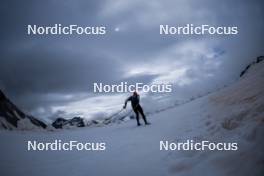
x=136, y=107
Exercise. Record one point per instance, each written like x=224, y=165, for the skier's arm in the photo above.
x=128, y=99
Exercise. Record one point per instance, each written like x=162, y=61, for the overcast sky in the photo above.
x=51, y=76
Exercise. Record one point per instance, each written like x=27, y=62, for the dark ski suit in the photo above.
x=136, y=107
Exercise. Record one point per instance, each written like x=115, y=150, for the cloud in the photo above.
x=53, y=75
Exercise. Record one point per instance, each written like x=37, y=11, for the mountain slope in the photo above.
x=234, y=114
x=12, y=118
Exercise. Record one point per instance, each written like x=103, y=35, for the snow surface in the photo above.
x=233, y=114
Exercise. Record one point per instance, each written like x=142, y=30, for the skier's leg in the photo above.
x=137, y=116
x=142, y=114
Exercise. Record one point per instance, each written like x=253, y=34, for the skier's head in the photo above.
x=135, y=93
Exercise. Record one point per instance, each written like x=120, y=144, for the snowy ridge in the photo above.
x=13, y=118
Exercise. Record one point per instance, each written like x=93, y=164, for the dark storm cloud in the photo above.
x=48, y=71
x=17, y=14
x=55, y=70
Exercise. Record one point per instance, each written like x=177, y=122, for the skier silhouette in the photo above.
x=136, y=107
